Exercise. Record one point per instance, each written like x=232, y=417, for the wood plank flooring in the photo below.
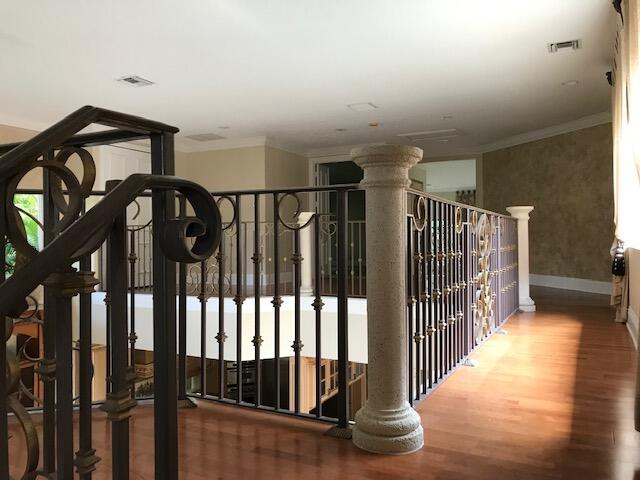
x=552, y=399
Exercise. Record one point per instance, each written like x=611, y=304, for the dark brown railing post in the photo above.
x=164, y=319
x=4, y=433
x=47, y=368
x=343, y=312
x=119, y=402
x=183, y=401
x=86, y=458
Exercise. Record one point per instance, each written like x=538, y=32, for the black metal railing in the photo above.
x=253, y=301
x=71, y=233
x=461, y=284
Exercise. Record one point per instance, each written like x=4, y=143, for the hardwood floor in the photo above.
x=552, y=399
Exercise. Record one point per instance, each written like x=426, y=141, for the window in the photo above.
x=28, y=208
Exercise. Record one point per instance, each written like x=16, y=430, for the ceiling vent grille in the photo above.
x=135, y=81
x=205, y=137
x=432, y=135
x=568, y=45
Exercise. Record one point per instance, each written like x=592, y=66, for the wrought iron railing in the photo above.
x=140, y=238
x=273, y=318
x=72, y=232
x=461, y=284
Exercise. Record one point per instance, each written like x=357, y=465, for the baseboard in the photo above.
x=568, y=283
x=633, y=322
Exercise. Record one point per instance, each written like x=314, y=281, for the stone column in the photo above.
x=306, y=251
x=387, y=423
x=521, y=214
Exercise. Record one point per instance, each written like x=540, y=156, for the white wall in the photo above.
x=329, y=342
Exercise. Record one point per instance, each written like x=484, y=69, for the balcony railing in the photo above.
x=273, y=318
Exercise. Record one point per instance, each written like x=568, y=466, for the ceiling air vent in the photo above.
x=205, y=137
x=432, y=135
x=135, y=81
x=568, y=45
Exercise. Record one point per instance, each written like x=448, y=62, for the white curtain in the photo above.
x=626, y=127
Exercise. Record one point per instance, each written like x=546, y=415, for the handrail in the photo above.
x=87, y=233
x=57, y=134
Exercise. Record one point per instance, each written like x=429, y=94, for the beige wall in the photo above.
x=10, y=134
x=634, y=280
x=568, y=179
x=220, y=170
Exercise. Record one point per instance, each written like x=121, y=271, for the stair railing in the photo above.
x=71, y=234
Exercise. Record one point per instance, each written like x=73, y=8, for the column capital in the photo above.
x=386, y=165
x=521, y=212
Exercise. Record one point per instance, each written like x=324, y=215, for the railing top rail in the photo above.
x=330, y=188
x=105, y=137
x=420, y=193
x=324, y=188
x=12, y=160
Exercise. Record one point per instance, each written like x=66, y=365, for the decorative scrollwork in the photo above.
x=21, y=414
x=483, y=313
x=419, y=213
x=296, y=213
x=69, y=206
x=459, y=223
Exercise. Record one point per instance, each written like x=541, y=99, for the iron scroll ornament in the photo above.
x=85, y=235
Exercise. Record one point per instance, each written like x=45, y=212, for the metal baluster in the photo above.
x=239, y=298
x=417, y=336
x=221, y=336
x=257, y=286
x=86, y=458
x=410, y=304
x=430, y=290
x=424, y=300
x=119, y=402
x=277, y=300
x=4, y=428
x=343, y=326
x=317, y=306
x=133, y=258
x=297, y=343
x=164, y=319
x=442, y=322
x=183, y=401
x=202, y=298
x=47, y=367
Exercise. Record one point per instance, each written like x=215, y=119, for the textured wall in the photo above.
x=568, y=179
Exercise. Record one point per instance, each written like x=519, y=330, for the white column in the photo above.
x=521, y=213
x=387, y=423
x=306, y=287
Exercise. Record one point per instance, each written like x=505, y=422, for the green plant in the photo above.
x=29, y=204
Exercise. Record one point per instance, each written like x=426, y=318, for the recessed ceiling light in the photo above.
x=374, y=124
x=135, y=81
x=571, y=83
x=362, y=107
x=341, y=129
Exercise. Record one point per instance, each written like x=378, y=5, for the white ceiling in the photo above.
x=286, y=69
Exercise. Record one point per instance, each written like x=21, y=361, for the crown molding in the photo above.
x=527, y=137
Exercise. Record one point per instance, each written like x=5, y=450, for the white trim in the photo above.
x=568, y=283
x=633, y=323
x=527, y=137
